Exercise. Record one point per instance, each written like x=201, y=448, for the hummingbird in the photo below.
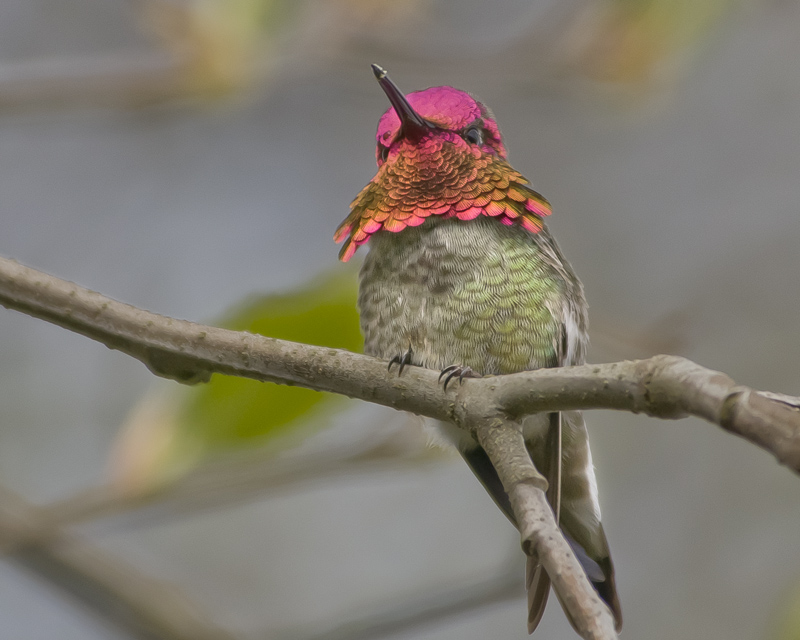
x=463, y=277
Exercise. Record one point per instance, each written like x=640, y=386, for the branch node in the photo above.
x=175, y=367
x=727, y=411
x=663, y=386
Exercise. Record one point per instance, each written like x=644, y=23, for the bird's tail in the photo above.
x=578, y=515
x=561, y=453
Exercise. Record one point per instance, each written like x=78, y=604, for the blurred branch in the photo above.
x=201, y=51
x=666, y=387
x=618, y=338
x=422, y=610
x=141, y=606
x=232, y=480
x=116, y=80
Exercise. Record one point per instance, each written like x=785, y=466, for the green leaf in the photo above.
x=232, y=410
x=168, y=434
x=788, y=618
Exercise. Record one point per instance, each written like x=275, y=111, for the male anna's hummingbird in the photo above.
x=463, y=277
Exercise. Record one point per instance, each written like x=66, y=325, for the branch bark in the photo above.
x=666, y=387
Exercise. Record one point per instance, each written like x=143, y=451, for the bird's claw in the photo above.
x=401, y=359
x=456, y=370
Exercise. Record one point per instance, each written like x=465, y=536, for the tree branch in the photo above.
x=190, y=352
x=663, y=386
x=667, y=387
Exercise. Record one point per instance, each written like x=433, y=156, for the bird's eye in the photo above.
x=383, y=152
x=474, y=135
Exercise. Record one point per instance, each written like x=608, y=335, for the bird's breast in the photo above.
x=479, y=293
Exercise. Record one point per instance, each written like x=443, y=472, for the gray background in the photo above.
x=678, y=211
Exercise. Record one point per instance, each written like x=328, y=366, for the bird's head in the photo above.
x=439, y=153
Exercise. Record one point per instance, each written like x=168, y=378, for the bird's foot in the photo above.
x=457, y=371
x=402, y=359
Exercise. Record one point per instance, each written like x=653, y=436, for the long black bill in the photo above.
x=413, y=125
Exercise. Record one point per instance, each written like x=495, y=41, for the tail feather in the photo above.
x=580, y=515
x=607, y=590
x=572, y=495
x=537, y=582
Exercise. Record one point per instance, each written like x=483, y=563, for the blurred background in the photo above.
x=193, y=157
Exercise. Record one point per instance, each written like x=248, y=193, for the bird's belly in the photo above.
x=475, y=294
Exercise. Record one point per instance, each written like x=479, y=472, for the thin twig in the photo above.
x=226, y=482
x=122, y=80
x=421, y=610
x=116, y=591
